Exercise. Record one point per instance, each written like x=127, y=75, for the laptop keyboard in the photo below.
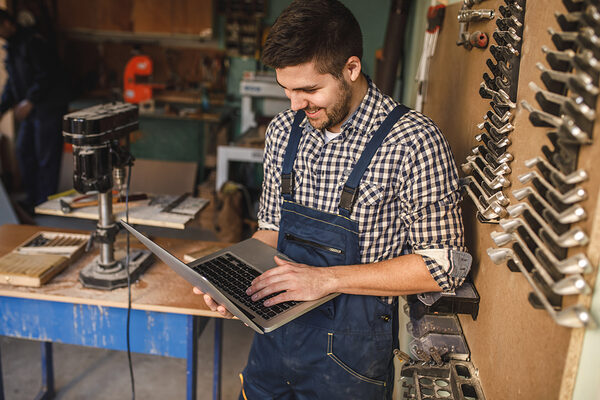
x=233, y=277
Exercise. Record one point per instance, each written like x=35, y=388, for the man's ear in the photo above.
x=353, y=67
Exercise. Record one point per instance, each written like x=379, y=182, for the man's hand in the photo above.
x=214, y=306
x=298, y=282
x=23, y=109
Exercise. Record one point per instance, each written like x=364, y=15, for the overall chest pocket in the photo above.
x=311, y=244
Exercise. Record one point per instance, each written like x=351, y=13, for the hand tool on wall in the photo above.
x=505, y=158
x=477, y=39
x=496, y=147
x=572, y=214
x=573, y=317
x=435, y=18
x=572, y=284
x=572, y=196
x=576, y=264
x=488, y=208
x=571, y=238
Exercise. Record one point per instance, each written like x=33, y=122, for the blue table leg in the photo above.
x=47, y=391
x=192, y=356
x=217, y=359
x=1, y=382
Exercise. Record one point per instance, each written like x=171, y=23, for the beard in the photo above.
x=339, y=111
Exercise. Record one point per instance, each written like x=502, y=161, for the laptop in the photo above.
x=226, y=274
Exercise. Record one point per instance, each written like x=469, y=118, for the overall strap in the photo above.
x=287, y=173
x=350, y=190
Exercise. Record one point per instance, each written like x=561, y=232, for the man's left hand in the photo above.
x=23, y=109
x=295, y=281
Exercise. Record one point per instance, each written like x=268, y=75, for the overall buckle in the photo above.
x=286, y=183
x=348, y=198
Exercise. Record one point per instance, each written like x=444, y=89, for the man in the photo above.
x=36, y=89
x=363, y=195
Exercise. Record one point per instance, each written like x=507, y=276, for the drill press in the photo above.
x=100, y=139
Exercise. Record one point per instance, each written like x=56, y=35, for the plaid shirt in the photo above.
x=408, y=200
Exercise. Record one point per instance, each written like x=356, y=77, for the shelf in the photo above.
x=201, y=41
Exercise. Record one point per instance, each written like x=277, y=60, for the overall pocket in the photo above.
x=360, y=357
x=319, y=246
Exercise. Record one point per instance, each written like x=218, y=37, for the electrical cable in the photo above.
x=128, y=285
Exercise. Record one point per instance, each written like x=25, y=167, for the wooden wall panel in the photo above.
x=107, y=15
x=521, y=353
x=193, y=17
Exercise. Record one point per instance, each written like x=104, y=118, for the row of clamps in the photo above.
x=538, y=233
x=488, y=167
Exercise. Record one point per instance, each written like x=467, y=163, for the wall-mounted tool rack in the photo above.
x=531, y=186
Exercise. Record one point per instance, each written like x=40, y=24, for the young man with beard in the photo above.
x=362, y=193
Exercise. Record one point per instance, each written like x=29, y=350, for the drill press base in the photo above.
x=97, y=277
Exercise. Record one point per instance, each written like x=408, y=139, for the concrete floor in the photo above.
x=90, y=373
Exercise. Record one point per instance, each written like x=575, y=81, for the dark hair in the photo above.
x=6, y=16
x=323, y=31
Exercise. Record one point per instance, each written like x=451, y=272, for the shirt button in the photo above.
x=347, y=172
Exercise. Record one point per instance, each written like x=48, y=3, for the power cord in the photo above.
x=128, y=285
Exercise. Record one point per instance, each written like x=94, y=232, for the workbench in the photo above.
x=166, y=317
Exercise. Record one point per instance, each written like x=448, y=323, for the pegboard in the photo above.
x=519, y=351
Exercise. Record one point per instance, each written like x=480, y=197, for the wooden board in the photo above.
x=159, y=288
x=39, y=258
x=30, y=269
x=143, y=212
x=519, y=351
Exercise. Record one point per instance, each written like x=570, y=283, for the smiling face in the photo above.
x=327, y=101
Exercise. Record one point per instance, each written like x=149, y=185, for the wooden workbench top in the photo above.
x=159, y=289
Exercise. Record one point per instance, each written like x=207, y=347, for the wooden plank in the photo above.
x=159, y=288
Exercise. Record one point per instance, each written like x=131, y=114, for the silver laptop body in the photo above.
x=254, y=253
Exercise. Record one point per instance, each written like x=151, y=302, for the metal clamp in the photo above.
x=573, y=317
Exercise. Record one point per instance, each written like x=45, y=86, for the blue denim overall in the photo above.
x=344, y=348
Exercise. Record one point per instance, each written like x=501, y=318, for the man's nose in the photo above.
x=297, y=100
